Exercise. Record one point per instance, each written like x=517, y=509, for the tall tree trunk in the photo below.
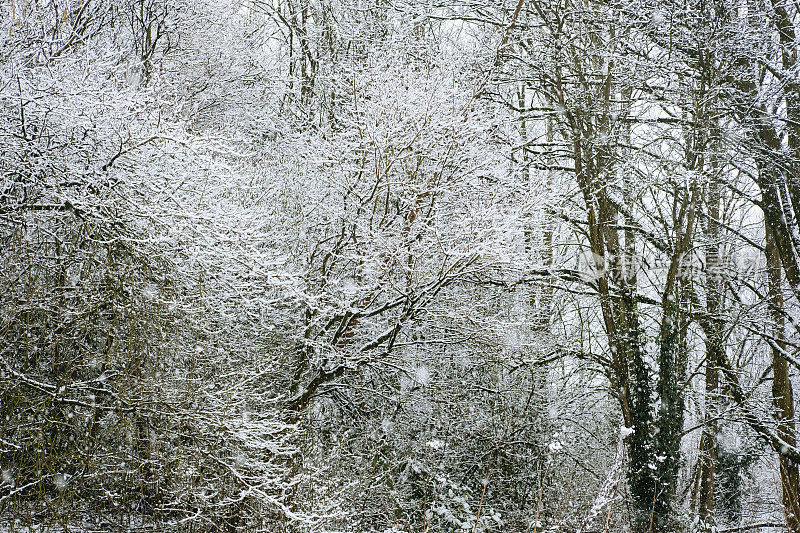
x=782, y=397
x=703, y=491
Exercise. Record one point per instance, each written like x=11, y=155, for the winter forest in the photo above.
x=396, y=266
